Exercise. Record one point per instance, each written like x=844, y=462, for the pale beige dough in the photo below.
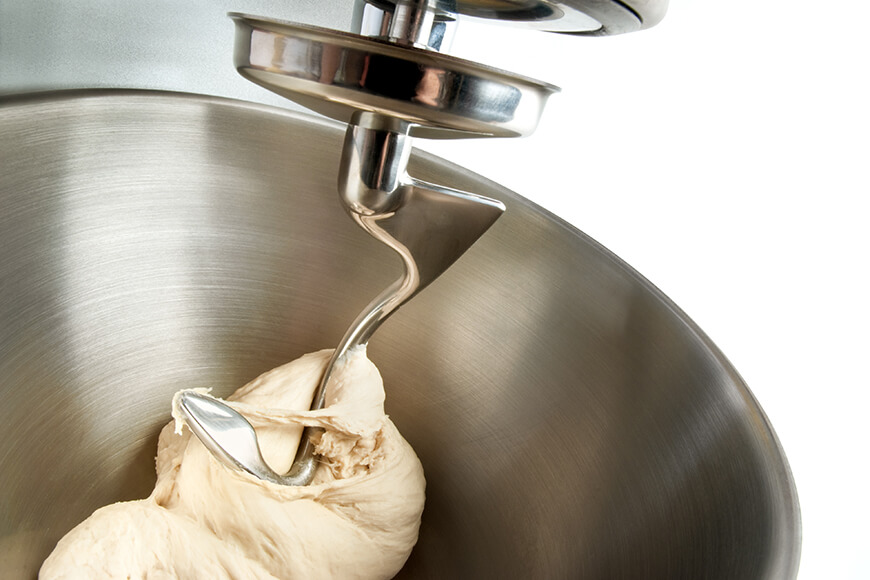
x=358, y=519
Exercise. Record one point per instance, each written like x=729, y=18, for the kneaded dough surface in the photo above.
x=358, y=519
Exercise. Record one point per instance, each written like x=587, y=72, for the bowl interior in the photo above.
x=572, y=421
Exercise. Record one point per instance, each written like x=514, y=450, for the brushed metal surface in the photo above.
x=572, y=421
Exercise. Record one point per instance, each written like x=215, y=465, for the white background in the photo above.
x=725, y=154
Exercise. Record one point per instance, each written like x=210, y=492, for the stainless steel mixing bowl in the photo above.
x=572, y=422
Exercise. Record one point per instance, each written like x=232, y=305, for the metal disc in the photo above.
x=338, y=74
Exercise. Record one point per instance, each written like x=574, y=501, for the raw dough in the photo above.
x=358, y=519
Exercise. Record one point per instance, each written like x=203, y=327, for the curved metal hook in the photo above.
x=427, y=225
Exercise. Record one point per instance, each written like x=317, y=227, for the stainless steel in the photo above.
x=434, y=31
x=579, y=17
x=226, y=434
x=338, y=74
x=151, y=242
x=427, y=225
x=418, y=23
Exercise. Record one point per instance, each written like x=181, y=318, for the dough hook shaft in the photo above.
x=428, y=226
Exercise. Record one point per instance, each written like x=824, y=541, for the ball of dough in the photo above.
x=358, y=519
